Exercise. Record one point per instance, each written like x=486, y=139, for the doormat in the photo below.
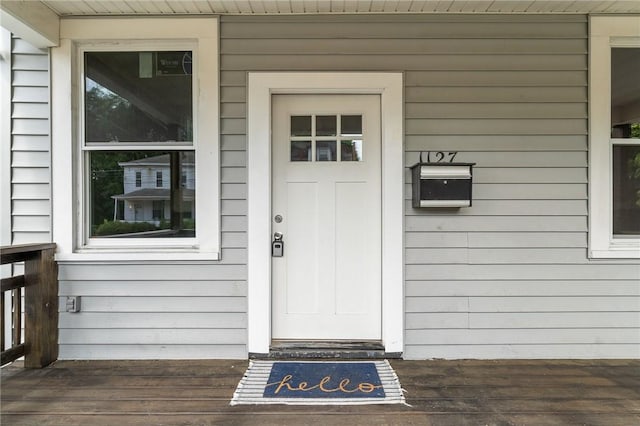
x=319, y=383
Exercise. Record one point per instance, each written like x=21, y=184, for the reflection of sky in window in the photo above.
x=358, y=145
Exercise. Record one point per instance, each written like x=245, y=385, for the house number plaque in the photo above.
x=440, y=156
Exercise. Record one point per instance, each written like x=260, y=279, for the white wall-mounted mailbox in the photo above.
x=442, y=184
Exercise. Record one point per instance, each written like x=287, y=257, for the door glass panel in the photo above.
x=326, y=151
x=301, y=125
x=351, y=133
x=346, y=129
x=351, y=150
x=351, y=125
x=326, y=125
x=301, y=151
x=626, y=190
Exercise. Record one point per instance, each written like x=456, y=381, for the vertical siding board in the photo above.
x=509, y=93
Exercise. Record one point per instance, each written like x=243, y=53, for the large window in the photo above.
x=134, y=102
x=143, y=146
x=615, y=137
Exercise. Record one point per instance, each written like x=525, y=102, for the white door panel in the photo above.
x=327, y=286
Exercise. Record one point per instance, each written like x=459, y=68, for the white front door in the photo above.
x=327, y=205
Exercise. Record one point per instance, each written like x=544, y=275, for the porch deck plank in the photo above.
x=439, y=393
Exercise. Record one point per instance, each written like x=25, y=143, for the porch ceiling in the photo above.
x=262, y=7
x=38, y=21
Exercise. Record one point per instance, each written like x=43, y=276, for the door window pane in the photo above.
x=351, y=125
x=301, y=151
x=626, y=190
x=138, y=97
x=345, y=132
x=119, y=207
x=326, y=125
x=326, y=151
x=351, y=150
x=301, y=125
x=625, y=93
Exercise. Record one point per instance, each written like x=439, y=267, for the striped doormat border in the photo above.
x=251, y=388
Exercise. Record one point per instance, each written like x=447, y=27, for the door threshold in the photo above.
x=323, y=349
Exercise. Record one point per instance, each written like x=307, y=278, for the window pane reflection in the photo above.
x=301, y=125
x=126, y=200
x=326, y=125
x=625, y=93
x=138, y=97
x=351, y=150
x=301, y=151
x=351, y=125
x=626, y=190
x=326, y=151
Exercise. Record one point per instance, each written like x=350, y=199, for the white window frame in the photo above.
x=199, y=35
x=606, y=32
x=261, y=87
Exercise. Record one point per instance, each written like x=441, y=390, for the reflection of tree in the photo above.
x=110, y=117
x=350, y=151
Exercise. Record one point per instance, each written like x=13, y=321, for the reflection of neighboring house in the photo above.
x=147, y=195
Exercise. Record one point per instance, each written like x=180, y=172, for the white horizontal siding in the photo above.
x=508, y=93
x=543, y=351
x=156, y=310
x=124, y=288
x=518, y=208
x=30, y=144
x=523, y=288
x=150, y=351
x=599, y=271
x=524, y=337
x=152, y=320
x=162, y=304
x=498, y=143
x=598, y=322
x=185, y=336
x=514, y=304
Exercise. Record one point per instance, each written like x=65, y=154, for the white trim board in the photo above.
x=5, y=139
x=261, y=85
x=605, y=32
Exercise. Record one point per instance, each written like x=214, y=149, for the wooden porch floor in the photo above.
x=440, y=393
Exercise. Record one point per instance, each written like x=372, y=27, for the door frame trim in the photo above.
x=261, y=87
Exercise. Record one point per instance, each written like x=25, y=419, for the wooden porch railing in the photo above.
x=40, y=283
